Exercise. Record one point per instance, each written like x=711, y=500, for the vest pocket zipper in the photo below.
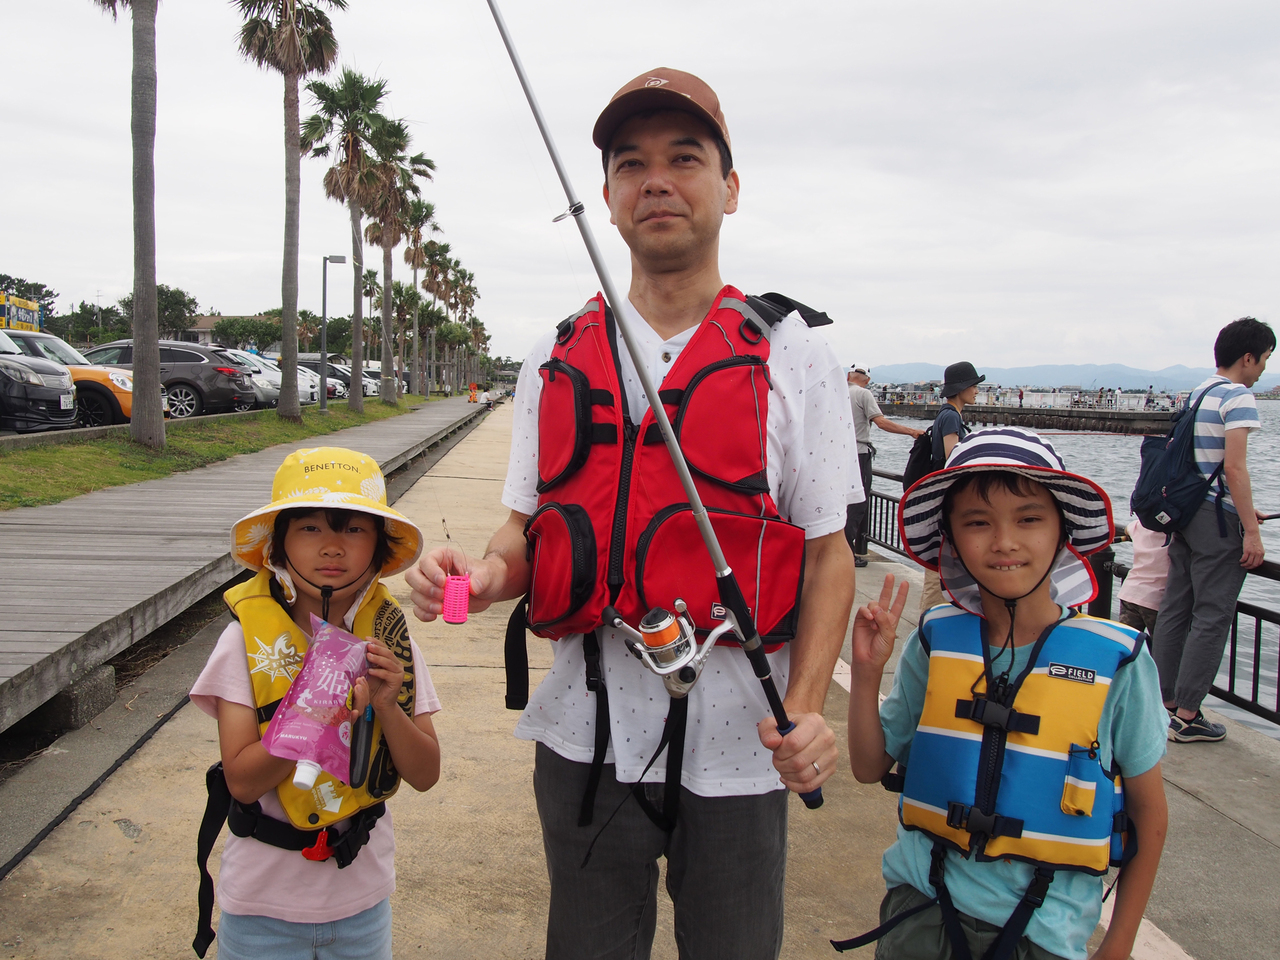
x=556, y=590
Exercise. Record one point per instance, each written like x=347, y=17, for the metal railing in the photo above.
x=882, y=516
x=1251, y=684
x=1245, y=665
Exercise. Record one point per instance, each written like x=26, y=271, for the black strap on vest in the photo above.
x=248, y=820
x=672, y=739
x=990, y=713
x=515, y=655
x=595, y=684
x=1004, y=945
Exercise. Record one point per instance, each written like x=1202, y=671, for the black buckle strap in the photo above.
x=515, y=656
x=267, y=711
x=215, y=815
x=973, y=820
x=595, y=684
x=950, y=915
x=895, y=781
x=673, y=732
x=871, y=936
x=992, y=714
x=601, y=398
x=604, y=433
x=1007, y=942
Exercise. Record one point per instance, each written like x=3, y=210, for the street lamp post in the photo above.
x=324, y=330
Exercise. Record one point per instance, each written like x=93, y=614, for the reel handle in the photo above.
x=812, y=799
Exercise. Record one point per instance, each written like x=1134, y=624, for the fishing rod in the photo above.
x=737, y=612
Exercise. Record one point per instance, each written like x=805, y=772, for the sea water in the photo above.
x=1111, y=461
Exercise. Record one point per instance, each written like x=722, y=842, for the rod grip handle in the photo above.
x=812, y=799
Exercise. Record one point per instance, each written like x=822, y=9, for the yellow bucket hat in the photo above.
x=326, y=478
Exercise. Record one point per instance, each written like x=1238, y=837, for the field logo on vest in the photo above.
x=1065, y=671
x=281, y=659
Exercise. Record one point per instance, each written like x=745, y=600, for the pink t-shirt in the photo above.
x=257, y=879
x=1144, y=586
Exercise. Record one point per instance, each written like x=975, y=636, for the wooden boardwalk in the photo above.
x=84, y=579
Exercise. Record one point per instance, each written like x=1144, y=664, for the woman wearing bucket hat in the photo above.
x=959, y=389
x=320, y=547
x=1027, y=736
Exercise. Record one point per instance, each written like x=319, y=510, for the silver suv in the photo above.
x=198, y=379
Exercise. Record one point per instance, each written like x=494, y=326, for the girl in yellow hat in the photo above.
x=305, y=867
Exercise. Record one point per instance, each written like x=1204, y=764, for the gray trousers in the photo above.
x=1199, y=605
x=858, y=515
x=726, y=861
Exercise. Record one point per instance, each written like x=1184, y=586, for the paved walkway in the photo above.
x=83, y=579
x=116, y=879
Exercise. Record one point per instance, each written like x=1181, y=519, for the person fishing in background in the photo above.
x=715, y=804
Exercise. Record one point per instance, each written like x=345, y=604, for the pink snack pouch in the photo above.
x=313, y=723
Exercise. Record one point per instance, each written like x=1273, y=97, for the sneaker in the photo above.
x=1197, y=729
x=859, y=561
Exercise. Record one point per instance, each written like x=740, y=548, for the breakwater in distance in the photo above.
x=1092, y=419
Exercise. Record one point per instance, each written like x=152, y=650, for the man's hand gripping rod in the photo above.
x=731, y=596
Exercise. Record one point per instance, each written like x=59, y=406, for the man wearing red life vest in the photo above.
x=763, y=418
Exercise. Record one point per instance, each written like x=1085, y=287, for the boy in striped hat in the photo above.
x=1027, y=736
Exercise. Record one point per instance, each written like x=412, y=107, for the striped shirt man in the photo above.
x=1228, y=406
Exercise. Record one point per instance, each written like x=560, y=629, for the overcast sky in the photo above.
x=1010, y=183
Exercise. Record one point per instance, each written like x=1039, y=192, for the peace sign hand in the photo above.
x=875, y=627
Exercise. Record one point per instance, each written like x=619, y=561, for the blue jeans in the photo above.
x=365, y=936
x=726, y=861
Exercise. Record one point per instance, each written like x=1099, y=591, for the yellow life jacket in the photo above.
x=275, y=647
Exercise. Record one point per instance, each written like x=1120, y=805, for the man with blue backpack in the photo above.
x=1218, y=541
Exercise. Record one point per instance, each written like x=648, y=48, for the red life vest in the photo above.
x=613, y=524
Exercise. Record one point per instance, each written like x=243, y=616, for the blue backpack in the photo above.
x=1170, y=488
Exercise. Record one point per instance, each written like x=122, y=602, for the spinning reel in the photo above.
x=667, y=644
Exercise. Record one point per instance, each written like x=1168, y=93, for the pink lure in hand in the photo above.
x=457, y=595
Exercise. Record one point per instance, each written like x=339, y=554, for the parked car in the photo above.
x=104, y=395
x=372, y=385
x=308, y=381
x=35, y=393
x=339, y=378
x=199, y=379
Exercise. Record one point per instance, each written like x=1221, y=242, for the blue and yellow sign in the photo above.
x=19, y=314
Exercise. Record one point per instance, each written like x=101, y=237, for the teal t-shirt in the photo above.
x=1132, y=730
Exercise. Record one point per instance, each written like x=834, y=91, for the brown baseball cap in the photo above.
x=660, y=89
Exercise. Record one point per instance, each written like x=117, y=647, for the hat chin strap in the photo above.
x=327, y=591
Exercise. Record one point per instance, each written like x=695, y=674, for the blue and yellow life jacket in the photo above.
x=1009, y=768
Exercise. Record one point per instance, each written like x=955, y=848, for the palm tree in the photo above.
x=397, y=176
x=437, y=257
x=295, y=38
x=345, y=125
x=420, y=217
x=147, y=423
x=372, y=288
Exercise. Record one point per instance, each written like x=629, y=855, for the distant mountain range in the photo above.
x=1089, y=376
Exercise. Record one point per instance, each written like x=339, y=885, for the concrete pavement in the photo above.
x=117, y=878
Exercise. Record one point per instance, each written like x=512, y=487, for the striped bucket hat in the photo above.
x=1086, y=509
